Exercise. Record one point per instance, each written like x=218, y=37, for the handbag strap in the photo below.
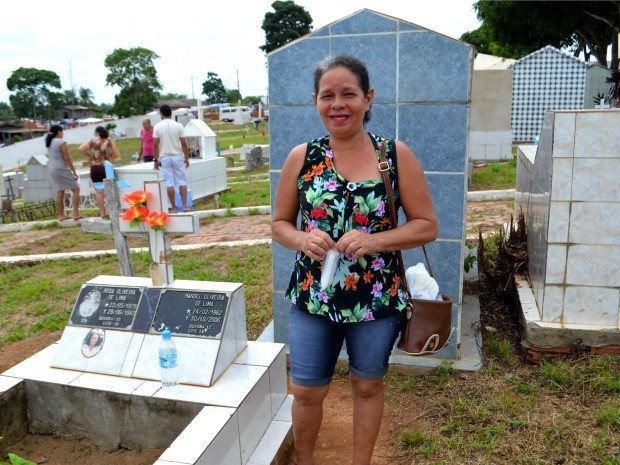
x=384, y=168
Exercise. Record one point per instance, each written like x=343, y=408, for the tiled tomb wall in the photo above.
x=570, y=195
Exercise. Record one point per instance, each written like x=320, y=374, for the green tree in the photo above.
x=213, y=88
x=287, y=23
x=514, y=29
x=6, y=112
x=251, y=100
x=233, y=96
x=86, y=97
x=134, y=72
x=171, y=96
x=32, y=87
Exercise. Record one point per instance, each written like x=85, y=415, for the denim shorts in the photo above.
x=316, y=341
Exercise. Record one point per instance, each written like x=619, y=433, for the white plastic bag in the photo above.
x=421, y=284
x=329, y=268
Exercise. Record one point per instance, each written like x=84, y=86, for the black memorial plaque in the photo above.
x=192, y=313
x=146, y=310
x=106, y=306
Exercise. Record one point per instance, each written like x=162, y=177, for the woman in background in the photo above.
x=99, y=149
x=62, y=172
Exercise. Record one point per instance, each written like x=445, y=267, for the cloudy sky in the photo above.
x=192, y=37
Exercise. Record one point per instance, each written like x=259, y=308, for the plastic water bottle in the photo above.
x=168, y=362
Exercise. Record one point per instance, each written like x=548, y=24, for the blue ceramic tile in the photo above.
x=291, y=69
x=281, y=317
x=378, y=52
x=433, y=68
x=363, y=22
x=283, y=262
x=405, y=26
x=291, y=126
x=382, y=121
x=437, y=134
x=448, y=193
x=324, y=31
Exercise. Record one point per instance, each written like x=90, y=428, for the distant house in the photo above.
x=8, y=131
x=177, y=103
x=74, y=112
x=549, y=79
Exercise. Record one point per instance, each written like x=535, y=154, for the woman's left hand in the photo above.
x=356, y=244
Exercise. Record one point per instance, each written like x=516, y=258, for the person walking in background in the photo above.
x=63, y=174
x=171, y=154
x=98, y=150
x=335, y=182
x=146, y=141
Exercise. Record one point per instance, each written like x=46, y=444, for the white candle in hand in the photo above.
x=329, y=268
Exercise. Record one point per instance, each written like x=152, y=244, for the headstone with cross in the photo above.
x=179, y=223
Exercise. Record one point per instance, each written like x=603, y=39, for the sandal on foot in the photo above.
x=64, y=219
x=81, y=217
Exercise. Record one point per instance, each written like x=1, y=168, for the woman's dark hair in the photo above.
x=54, y=130
x=353, y=64
x=103, y=132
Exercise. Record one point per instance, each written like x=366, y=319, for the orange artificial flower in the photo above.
x=137, y=198
x=156, y=220
x=134, y=214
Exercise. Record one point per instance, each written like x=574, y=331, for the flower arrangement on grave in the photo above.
x=137, y=214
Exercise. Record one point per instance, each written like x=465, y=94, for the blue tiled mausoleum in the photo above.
x=422, y=83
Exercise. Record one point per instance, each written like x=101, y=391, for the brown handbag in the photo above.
x=428, y=327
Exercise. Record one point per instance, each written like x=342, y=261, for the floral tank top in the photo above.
x=365, y=289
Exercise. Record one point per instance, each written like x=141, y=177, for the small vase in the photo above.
x=156, y=272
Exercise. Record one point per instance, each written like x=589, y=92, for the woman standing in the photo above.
x=335, y=182
x=98, y=150
x=62, y=172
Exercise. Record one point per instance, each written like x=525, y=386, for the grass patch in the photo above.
x=494, y=176
x=39, y=298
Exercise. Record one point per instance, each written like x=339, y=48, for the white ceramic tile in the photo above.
x=269, y=446
x=196, y=359
x=592, y=132
x=203, y=429
x=596, y=180
x=285, y=412
x=202, y=286
x=106, y=383
x=108, y=360
x=7, y=383
x=277, y=383
x=225, y=448
x=238, y=308
x=132, y=354
x=559, y=213
x=38, y=368
x=147, y=388
x=564, y=135
x=595, y=223
x=561, y=179
x=556, y=264
x=591, y=305
x=553, y=304
x=229, y=391
x=166, y=462
x=120, y=280
x=260, y=353
x=254, y=417
x=593, y=265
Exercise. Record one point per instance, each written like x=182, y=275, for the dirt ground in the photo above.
x=335, y=438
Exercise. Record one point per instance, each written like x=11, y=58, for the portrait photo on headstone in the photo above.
x=93, y=342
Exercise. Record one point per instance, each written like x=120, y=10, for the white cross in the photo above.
x=178, y=223
x=602, y=105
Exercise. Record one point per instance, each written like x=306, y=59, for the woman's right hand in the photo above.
x=316, y=243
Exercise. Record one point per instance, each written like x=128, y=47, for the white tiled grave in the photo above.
x=243, y=418
x=133, y=354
